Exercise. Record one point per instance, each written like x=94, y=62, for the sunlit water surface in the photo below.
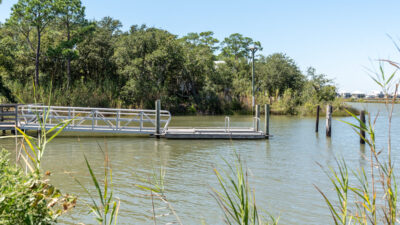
x=283, y=169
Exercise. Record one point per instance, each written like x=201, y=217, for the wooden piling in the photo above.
x=266, y=121
x=257, y=118
x=158, y=108
x=328, y=120
x=362, y=126
x=317, y=119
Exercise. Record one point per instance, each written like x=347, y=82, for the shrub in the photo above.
x=27, y=199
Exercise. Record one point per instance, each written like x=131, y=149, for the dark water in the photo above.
x=283, y=169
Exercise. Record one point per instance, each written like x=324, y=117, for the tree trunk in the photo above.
x=37, y=57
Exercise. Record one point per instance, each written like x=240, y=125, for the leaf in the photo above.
x=59, y=130
x=28, y=140
x=94, y=181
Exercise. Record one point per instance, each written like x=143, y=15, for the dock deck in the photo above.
x=212, y=133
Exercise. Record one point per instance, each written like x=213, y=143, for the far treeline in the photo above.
x=79, y=62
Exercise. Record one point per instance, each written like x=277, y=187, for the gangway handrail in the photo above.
x=100, y=119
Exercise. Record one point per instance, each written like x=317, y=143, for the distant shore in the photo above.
x=376, y=100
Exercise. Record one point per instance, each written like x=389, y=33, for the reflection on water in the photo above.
x=283, y=168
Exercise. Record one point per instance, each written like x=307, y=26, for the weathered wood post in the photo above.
x=266, y=121
x=158, y=108
x=328, y=120
x=317, y=120
x=257, y=118
x=362, y=126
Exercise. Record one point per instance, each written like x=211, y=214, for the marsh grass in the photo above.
x=103, y=206
x=235, y=196
x=152, y=187
x=376, y=190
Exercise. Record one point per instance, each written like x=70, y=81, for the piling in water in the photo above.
x=328, y=120
x=257, y=118
x=317, y=120
x=267, y=121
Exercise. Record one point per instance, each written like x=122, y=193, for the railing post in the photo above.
x=141, y=121
x=95, y=117
x=92, y=119
x=328, y=120
x=362, y=127
x=158, y=108
x=117, y=120
x=16, y=115
x=267, y=121
x=257, y=118
x=73, y=116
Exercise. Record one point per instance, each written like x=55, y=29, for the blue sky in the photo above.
x=337, y=37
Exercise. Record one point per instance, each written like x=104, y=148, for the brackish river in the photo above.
x=282, y=169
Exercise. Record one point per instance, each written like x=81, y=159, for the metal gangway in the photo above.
x=112, y=120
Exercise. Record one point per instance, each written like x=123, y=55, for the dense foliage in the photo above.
x=27, y=199
x=94, y=63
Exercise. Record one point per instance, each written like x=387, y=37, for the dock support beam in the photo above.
x=158, y=108
x=266, y=121
x=257, y=125
x=328, y=120
x=317, y=120
x=362, y=127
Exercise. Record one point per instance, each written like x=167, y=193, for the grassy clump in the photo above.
x=236, y=197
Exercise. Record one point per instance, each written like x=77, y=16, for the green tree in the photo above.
x=277, y=73
x=28, y=15
x=150, y=60
x=72, y=16
x=318, y=87
x=95, y=62
x=204, y=38
x=237, y=46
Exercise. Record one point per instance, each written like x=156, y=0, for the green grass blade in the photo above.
x=96, y=184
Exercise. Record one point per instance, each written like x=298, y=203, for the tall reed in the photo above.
x=153, y=188
x=236, y=197
x=376, y=190
x=105, y=209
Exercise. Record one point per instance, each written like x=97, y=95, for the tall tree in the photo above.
x=28, y=15
x=237, y=46
x=204, y=38
x=72, y=14
x=277, y=73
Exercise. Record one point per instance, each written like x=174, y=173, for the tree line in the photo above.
x=52, y=46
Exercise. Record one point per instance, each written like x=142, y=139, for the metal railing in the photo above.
x=93, y=119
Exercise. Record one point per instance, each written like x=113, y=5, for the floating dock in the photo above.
x=213, y=133
x=124, y=121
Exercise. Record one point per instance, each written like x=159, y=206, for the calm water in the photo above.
x=283, y=169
